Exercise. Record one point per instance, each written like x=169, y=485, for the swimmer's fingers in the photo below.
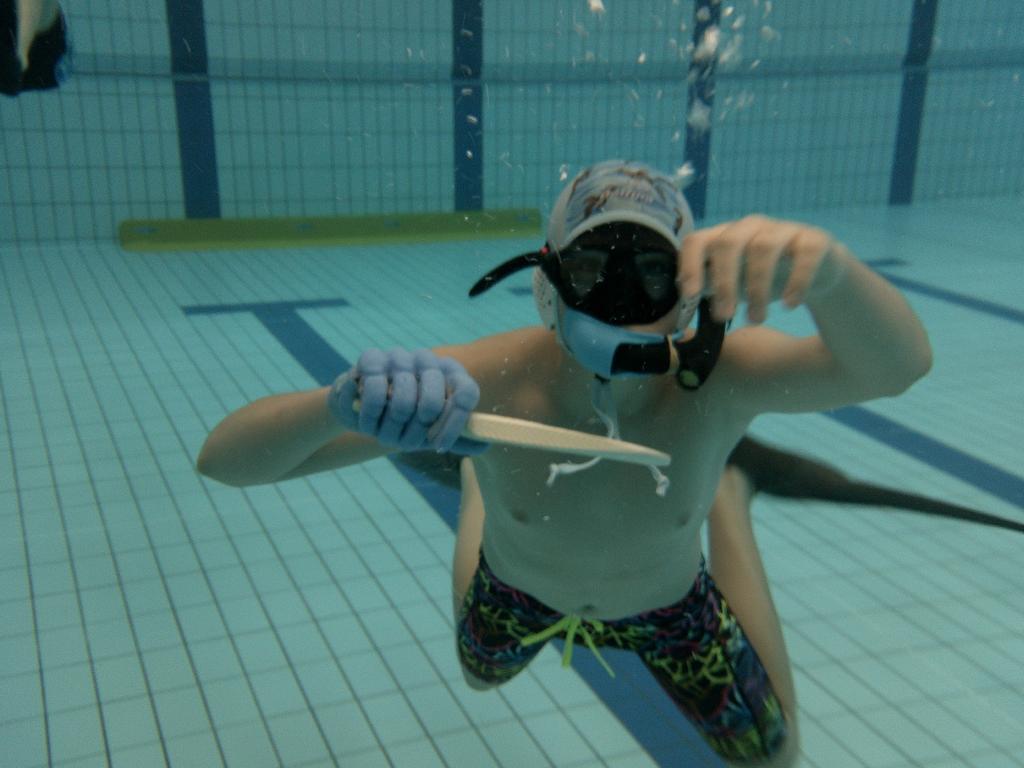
x=408, y=400
x=766, y=264
x=463, y=394
x=693, y=260
x=724, y=255
x=811, y=251
x=757, y=259
x=401, y=399
x=371, y=373
x=429, y=402
x=366, y=384
x=341, y=399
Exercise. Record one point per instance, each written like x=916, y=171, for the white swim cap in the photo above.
x=615, y=191
x=618, y=190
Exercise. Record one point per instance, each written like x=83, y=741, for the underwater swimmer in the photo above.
x=33, y=45
x=598, y=556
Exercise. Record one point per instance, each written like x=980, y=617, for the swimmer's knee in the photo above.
x=477, y=683
x=789, y=752
x=784, y=754
x=474, y=682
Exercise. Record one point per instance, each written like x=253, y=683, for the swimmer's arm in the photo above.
x=281, y=437
x=285, y=436
x=870, y=344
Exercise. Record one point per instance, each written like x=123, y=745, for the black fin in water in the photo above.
x=780, y=473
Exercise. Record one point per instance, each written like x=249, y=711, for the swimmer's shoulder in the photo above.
x=502, y=358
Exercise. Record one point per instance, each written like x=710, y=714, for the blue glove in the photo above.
x=411, y=400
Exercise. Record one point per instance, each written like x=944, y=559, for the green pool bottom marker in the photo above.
x=238, y=234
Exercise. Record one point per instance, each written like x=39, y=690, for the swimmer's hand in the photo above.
x=414, y=401
x=761, y=260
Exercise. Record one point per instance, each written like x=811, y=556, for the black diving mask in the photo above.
x=619, y=273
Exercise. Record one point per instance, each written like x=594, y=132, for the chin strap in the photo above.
x=603, y=402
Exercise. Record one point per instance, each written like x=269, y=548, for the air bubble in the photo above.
x=708, y=44
x=699, y=117
x=731, y=55
x=685, y=173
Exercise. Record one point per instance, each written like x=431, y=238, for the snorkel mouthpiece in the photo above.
x=609, y=350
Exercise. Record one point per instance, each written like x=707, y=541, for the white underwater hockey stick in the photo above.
x=505, y=430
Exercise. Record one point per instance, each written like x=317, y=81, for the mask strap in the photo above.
x=509, y=267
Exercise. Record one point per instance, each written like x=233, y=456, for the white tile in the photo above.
x=601, y=729
x=862, y=741
x=558, y=737
x=465, y=748
x=392, y=718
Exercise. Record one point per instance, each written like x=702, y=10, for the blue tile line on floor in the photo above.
x=980, y=474
x=969, y=302
x=282, y=319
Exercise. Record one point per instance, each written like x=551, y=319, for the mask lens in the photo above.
x=618, y=273
x=581, y=269
x=657, y=273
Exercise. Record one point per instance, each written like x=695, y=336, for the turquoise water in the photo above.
x=151, y=617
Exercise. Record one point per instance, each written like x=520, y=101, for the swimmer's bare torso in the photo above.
x=599, y=543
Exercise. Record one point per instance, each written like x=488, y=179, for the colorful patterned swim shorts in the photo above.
x=695, y=649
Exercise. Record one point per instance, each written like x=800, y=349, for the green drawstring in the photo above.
x=571, y=624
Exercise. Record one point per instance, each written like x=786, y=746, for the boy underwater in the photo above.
x=604, y=556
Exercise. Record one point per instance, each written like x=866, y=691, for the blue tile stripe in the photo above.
x=969, y=302
x=282, y=319
x=707, y=13
x=186, y=32
x=980, y=474
x=912, y=98
x=468, y=103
